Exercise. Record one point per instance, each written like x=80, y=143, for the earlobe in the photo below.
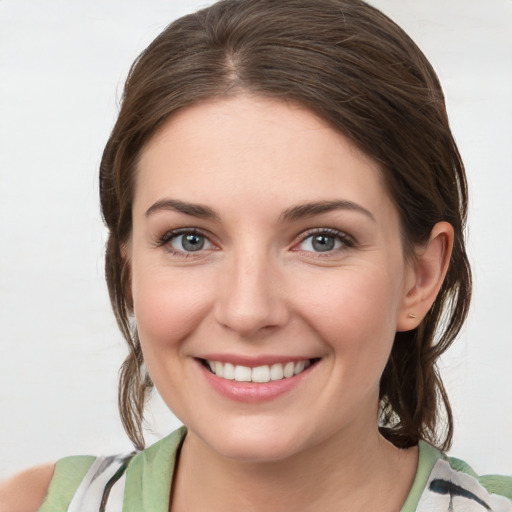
x=426, y=277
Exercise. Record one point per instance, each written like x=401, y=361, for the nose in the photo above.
x=251, y=298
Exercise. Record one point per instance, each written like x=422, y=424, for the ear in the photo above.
x=426, y=276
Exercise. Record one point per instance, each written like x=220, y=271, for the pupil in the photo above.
x=192, y=242
x=322, y=243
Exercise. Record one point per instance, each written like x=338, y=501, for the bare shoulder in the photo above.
x=25, y=491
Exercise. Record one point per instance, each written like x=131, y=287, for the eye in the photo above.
x=325, y=240
x=188, y=242
x=185, y=242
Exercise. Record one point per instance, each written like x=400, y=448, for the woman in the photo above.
x=286, y=261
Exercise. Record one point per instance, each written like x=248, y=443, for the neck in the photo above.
x=350, y=471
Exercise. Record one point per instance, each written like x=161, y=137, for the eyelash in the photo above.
x=346, y=241
x=166, y=239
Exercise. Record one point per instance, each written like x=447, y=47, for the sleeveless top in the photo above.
x=141, y=482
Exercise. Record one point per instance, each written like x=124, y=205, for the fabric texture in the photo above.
x=142, y=483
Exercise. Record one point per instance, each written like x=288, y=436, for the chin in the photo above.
x=256, y=443
x=250, y=450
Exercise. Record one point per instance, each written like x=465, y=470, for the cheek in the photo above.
x=353, y=310
x=353, y=296
x=167, y=308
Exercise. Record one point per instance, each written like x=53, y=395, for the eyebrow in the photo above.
x=293, y=213
x=195, y=210
x=317, y=208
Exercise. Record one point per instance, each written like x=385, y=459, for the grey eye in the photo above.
x=321, y=242
x=189, y=242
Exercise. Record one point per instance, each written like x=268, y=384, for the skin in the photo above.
x=259, y=289
x=25, y=491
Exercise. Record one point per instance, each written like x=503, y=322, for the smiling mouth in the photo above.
x=259, y=374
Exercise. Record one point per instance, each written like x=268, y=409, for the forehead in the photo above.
x=223, y=148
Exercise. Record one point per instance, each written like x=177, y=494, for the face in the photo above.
x=267, y=275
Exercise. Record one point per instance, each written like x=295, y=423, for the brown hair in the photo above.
x=355, y=68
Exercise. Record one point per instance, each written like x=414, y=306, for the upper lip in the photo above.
x=254, y=361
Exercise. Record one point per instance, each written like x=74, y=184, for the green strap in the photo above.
x=68, y=474
x=150, y=473
x=428, y=456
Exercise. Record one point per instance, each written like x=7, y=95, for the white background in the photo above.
x=62, y=63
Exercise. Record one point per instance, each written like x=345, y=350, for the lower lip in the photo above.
x=253, y=392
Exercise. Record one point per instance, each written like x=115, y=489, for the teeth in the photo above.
x=259, y=374
x=276, y=372
x=229, y=371
x=242, y=373
x=219, y=369
x=288, y=370
x=299, y=367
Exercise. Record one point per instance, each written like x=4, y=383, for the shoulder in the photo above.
x=494, y=484
x=48, y=487
x=448, y=483
x=453, y=485
x=26, y=491
x=52, y=487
